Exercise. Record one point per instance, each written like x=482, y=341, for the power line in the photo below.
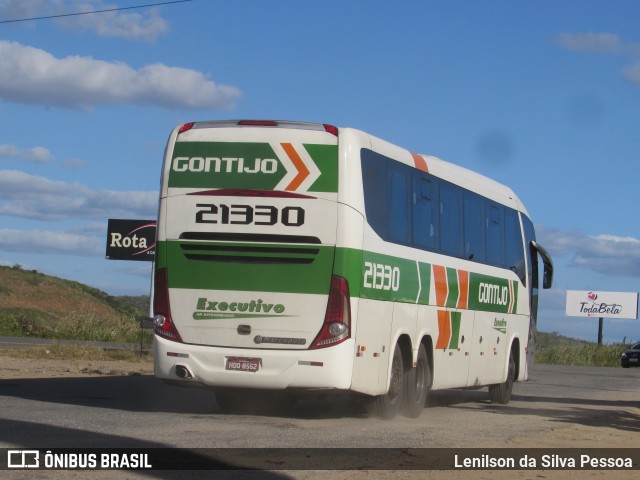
x=94, y=11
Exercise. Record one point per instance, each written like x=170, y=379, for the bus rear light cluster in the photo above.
x=163, y=325
x=336, y=327
x=333, y=130
x=258, y=123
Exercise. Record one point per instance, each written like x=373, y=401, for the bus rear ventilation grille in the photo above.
x=246, y=252
x=249, y=237
x=236, y=253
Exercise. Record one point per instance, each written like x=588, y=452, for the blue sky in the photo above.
x=543, y=96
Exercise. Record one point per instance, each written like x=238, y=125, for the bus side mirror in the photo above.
x=547, y=277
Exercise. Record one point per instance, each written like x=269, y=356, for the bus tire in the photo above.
x=416, y=385
x=501, y=392
x=388, y=405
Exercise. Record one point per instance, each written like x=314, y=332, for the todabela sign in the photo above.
x=602, y=304
x=131, y=240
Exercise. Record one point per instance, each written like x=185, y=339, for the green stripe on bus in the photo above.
x=259, y=271
x=245, y=165
x=301, y=270
x=348, y=264
x=326, y=159
x=225, y=165
x=389, y=278
x=491, y=294
x=456, y=318
x=425, y=280
x=454, y=289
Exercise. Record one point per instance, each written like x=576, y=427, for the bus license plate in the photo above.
x=241, y=364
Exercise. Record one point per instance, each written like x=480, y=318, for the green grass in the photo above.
x=83, y=325
x=555, y=349
x=585, y=355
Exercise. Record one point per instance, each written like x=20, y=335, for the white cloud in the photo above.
x=12, y=9
x=590, y=42
x=131, y=26
x=632, y=73
x=34, y=76
x=603, y=43
x=608, y=254
x=29, y=196
x=35, y=154
x=47, y=241
x=141, y=24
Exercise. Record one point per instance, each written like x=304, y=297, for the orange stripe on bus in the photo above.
x=442, y=287
x=512, y=296
x=420, y=162
x=463, y=286
x=303, y=171
x=444, y=329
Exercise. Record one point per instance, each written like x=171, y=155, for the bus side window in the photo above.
x=451, y=238
x=399, y=206
x=474, y=222
x=513, y=241
x=425, y=212
x=374, y=183
x=495, y=235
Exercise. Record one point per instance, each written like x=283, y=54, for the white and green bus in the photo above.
x=297, y=258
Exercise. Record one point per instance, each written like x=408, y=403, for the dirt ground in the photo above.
x=573, y=435
x=16, y=367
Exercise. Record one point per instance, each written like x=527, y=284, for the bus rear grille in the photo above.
x=274, y=252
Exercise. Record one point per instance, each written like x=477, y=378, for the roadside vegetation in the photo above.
x=555, y=349
x=74, y=352
x=40, y=306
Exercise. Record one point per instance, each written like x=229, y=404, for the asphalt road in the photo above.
x=142, y=412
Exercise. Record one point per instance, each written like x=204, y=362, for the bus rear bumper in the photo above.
x=329, y=368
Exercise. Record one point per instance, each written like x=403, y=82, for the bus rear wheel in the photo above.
x=388, y=405
x=416, y=385
x=501, y=393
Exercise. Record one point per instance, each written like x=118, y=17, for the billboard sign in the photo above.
x=602, y=304
x=131, y=240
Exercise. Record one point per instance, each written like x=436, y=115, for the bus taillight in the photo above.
x=337, y=320
x=163, y=325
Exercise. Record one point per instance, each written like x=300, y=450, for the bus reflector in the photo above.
x=186, y=127
x=337, y=320
x=161, y=309
x=310, y=364
x=331, y=129
x=176, y=354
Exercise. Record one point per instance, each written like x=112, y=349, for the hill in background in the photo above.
x=38, y=305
